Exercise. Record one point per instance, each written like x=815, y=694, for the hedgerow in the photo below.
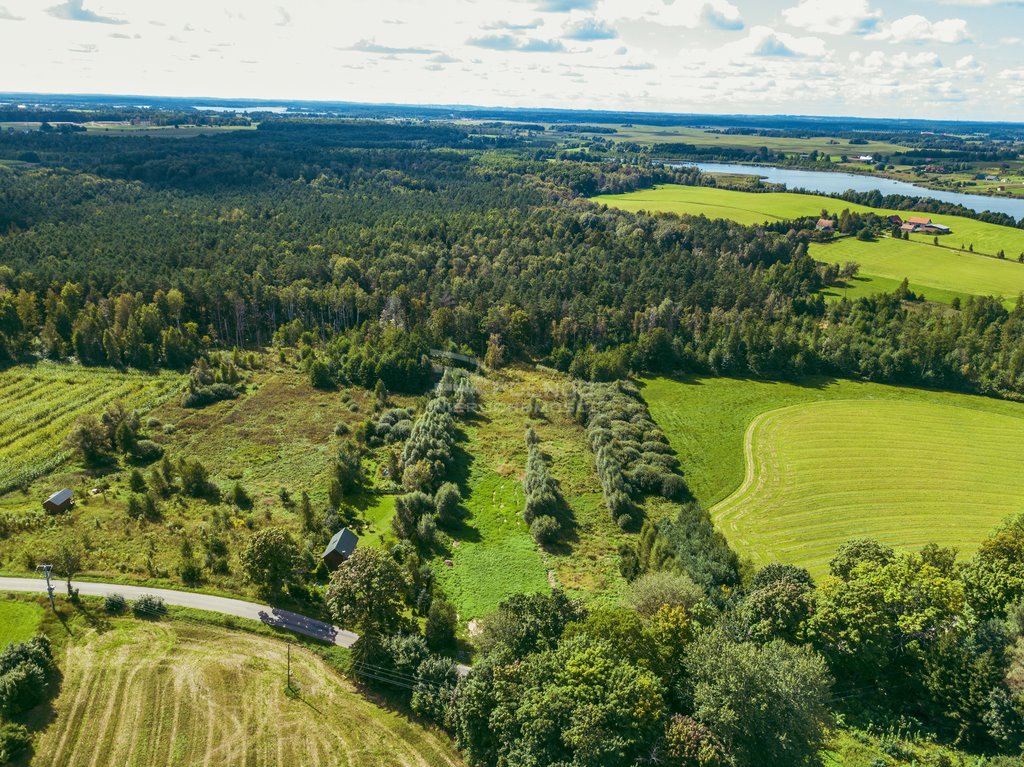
x=632, y=456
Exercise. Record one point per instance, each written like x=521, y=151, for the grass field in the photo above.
x=177, y=694
x=493, y=554
x=941, y=273
x=830, y=460
x=18, y=621
x=40, y=404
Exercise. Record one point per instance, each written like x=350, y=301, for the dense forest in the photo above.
x=137, y=251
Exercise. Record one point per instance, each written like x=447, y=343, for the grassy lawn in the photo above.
x=493, y=554
x=833, y=459
x=40, y=403
x=18, y=621
x=939, y=273
x=183, y=694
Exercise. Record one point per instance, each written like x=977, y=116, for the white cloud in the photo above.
x=691, y=14
x=835, y=17
x=918, y=29
x=767, y=42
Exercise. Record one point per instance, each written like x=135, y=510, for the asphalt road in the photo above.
x=272, y=616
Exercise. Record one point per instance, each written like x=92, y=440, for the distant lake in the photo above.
x=825, y=182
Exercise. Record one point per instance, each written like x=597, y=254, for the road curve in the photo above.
x=272, y=616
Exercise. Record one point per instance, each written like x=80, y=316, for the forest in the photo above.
x=133, y=251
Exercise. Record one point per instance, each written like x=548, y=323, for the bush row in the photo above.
x=543, y=498
x=632, y=456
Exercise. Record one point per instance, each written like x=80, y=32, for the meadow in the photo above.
x=183, y=694
x=40, y=403
x=791, y=470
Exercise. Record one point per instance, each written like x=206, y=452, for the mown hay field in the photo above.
x=791, y=471
x=40, y=403
x=178, y=694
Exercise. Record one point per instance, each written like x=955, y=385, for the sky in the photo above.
x=959, y=59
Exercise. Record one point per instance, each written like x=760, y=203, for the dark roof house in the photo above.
x=340, y=548
x=60, y=501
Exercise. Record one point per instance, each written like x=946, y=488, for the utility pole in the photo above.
x=49, y=586
x=289, y=663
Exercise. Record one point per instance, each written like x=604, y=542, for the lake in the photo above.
x=824, y=182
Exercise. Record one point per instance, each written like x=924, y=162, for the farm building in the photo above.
x=826, y=225
x=340, y=548
x=60, y=501
x=895, y=220
x=924, y=225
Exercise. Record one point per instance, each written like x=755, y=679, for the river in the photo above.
x=826, y=182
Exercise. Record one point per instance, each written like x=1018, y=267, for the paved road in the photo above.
x=272, y=616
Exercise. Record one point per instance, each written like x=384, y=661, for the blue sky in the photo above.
x=901, y=58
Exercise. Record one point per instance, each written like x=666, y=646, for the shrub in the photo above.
x=137, y=482
x=442, y=621
x=409, y=509
x=147, y=451
x=149, y=607
x=21, y=688
x=115, y=604
x=14, y=741
x=545, y=530
x=447, y=503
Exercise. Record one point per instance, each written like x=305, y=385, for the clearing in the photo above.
x=493, y=555
x=176, y=694
x=790, y=471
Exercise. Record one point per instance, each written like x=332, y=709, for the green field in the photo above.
x=40, y=404
x=790, y=471
x=178, y=694
x=941, y=273
x=18, y=621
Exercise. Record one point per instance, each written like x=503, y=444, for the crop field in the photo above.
x=40, y=404
x=175, y=694
x=18, y=621
x=790, y=471
x=493, y=554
